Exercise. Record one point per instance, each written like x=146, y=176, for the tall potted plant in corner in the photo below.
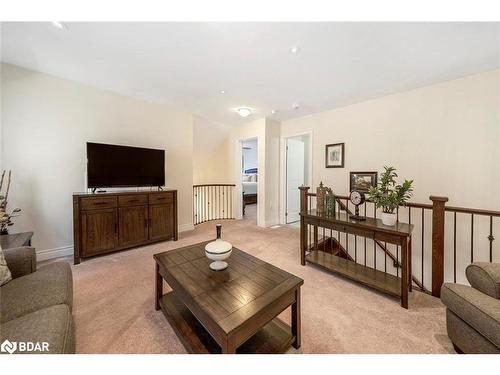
x=387, y=195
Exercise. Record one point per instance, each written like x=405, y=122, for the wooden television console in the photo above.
x=107, y=222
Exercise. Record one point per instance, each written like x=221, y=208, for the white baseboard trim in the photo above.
x=186, y=227
x=68, y=250
x=54, y=253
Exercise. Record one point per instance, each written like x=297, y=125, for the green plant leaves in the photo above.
x=387, y=194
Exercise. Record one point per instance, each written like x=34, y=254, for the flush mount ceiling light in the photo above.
x=244, y=111
x=58, y=25
x=294, y=49
x=222, y=92
x=296, y=106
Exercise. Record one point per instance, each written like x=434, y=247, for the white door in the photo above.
x=294, y=177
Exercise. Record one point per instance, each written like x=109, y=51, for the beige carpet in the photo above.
x=114, y=307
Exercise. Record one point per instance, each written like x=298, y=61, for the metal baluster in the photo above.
x=491, y=238
x=356, y=249
x=397, y=247
x=422, y=257
x=374, y=255
x=454, y=247
x=324, y=244
x=397, y=261
x=331, y=242
x=472, y=238
x=385, y=257
x=365, y=237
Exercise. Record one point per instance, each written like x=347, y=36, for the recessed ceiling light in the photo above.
x=222, y=92
x=244, y=111
x=273, y=111
x=296, y=106
x=58, y=24
x=294, y=49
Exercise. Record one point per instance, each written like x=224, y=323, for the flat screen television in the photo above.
x=124, y=166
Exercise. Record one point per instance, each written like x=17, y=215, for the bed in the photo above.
x=249, y=187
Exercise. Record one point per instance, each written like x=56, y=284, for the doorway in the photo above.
x=297, y=173
x=249, y=179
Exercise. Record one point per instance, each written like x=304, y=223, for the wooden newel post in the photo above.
x=303, y=198
x=438, y=204
x=303, y=229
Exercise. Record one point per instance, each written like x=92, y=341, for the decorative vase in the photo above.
x=320, y=198
x=218, y=251
x=389, y=219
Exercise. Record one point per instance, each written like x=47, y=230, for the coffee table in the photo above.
x=229, y=311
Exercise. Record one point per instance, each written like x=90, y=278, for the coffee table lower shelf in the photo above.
x=275, y=337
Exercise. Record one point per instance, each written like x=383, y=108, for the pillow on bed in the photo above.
x=246, y=178
x=253, y=178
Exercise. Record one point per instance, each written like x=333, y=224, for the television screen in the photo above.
x=124, y=166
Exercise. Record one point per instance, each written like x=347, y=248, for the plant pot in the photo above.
x=389, y=219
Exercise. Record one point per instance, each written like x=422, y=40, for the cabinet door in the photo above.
x=161, y=221
x=133, y=228
x=99, y=231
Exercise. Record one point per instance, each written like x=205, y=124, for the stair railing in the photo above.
x=213, y=202
x=435, y=240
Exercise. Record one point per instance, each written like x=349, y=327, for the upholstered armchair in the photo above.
x=473, y=312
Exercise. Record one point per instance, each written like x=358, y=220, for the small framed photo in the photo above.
x=362, y=181
x=334, y=155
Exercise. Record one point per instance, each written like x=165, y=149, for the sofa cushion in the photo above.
x=466, y=338
x=50, y=285
x=477, y=309
x=21, y=260
x=53, y=325
x=485, y=277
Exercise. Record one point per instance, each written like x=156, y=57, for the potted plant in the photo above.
x=387, y=195
x=6, y=217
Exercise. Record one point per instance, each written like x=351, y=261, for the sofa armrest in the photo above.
x=20, y=260
x=485, y=277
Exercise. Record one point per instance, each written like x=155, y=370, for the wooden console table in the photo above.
x=370, y=228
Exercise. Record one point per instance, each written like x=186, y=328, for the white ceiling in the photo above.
x=187, y=64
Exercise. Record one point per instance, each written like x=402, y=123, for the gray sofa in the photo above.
x=473, y=312
x=35, y=306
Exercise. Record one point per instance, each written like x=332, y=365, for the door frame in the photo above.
x=238, y=191
x=283, y=168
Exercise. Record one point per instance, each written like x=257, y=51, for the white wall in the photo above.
x=46, y=122
x=446, y=137
x=210, y=150
x=267, y=133
x=272, y=172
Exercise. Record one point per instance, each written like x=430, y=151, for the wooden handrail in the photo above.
x=475, y=211
x=464, y=210
x=409, y=204
x=213, y=185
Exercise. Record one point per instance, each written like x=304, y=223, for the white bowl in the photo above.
x=218, y=251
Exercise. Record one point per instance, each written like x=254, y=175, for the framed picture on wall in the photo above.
x=362, y=181
x=334, y=155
